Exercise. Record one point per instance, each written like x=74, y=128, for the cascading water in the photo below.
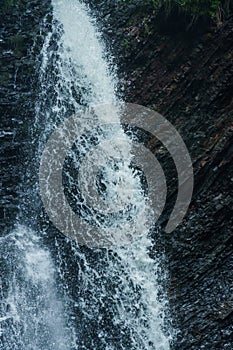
x=82, y=298
x=32, y=314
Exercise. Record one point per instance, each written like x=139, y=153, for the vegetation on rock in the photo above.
x=212, y=8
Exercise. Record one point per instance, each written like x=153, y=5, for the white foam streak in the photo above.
x=81, y=41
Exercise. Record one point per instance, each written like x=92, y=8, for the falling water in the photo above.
x=32, y=313
x=72, y=297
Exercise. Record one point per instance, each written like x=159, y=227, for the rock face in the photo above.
x=187, y=77
x=191, y=84
x=20, y=43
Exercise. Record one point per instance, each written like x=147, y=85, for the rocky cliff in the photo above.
x=20, y=44
x=186, y=75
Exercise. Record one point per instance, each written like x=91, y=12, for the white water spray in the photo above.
x=32, y=313
x=115, y=303
x=147, y=329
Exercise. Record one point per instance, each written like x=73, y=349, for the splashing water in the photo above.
x=87, y=298
x=32, y=313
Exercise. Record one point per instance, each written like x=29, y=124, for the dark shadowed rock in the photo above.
x=187, y=77
x=20, y=44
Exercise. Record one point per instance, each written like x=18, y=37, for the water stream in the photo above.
x=60, y=295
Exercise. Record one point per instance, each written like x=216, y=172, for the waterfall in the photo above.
x=65, y=296
x=32, y=313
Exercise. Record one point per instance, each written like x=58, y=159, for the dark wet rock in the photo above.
x=187, y=77
x=20, y=44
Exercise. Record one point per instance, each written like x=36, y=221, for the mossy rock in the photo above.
x=18, y=44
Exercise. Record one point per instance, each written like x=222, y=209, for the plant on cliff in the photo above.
x=212, y=8
x=201, y=7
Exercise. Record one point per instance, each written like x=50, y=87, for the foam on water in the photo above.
x=122, y=284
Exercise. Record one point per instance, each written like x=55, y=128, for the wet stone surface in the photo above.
x=20, y=44
x=187, y=77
